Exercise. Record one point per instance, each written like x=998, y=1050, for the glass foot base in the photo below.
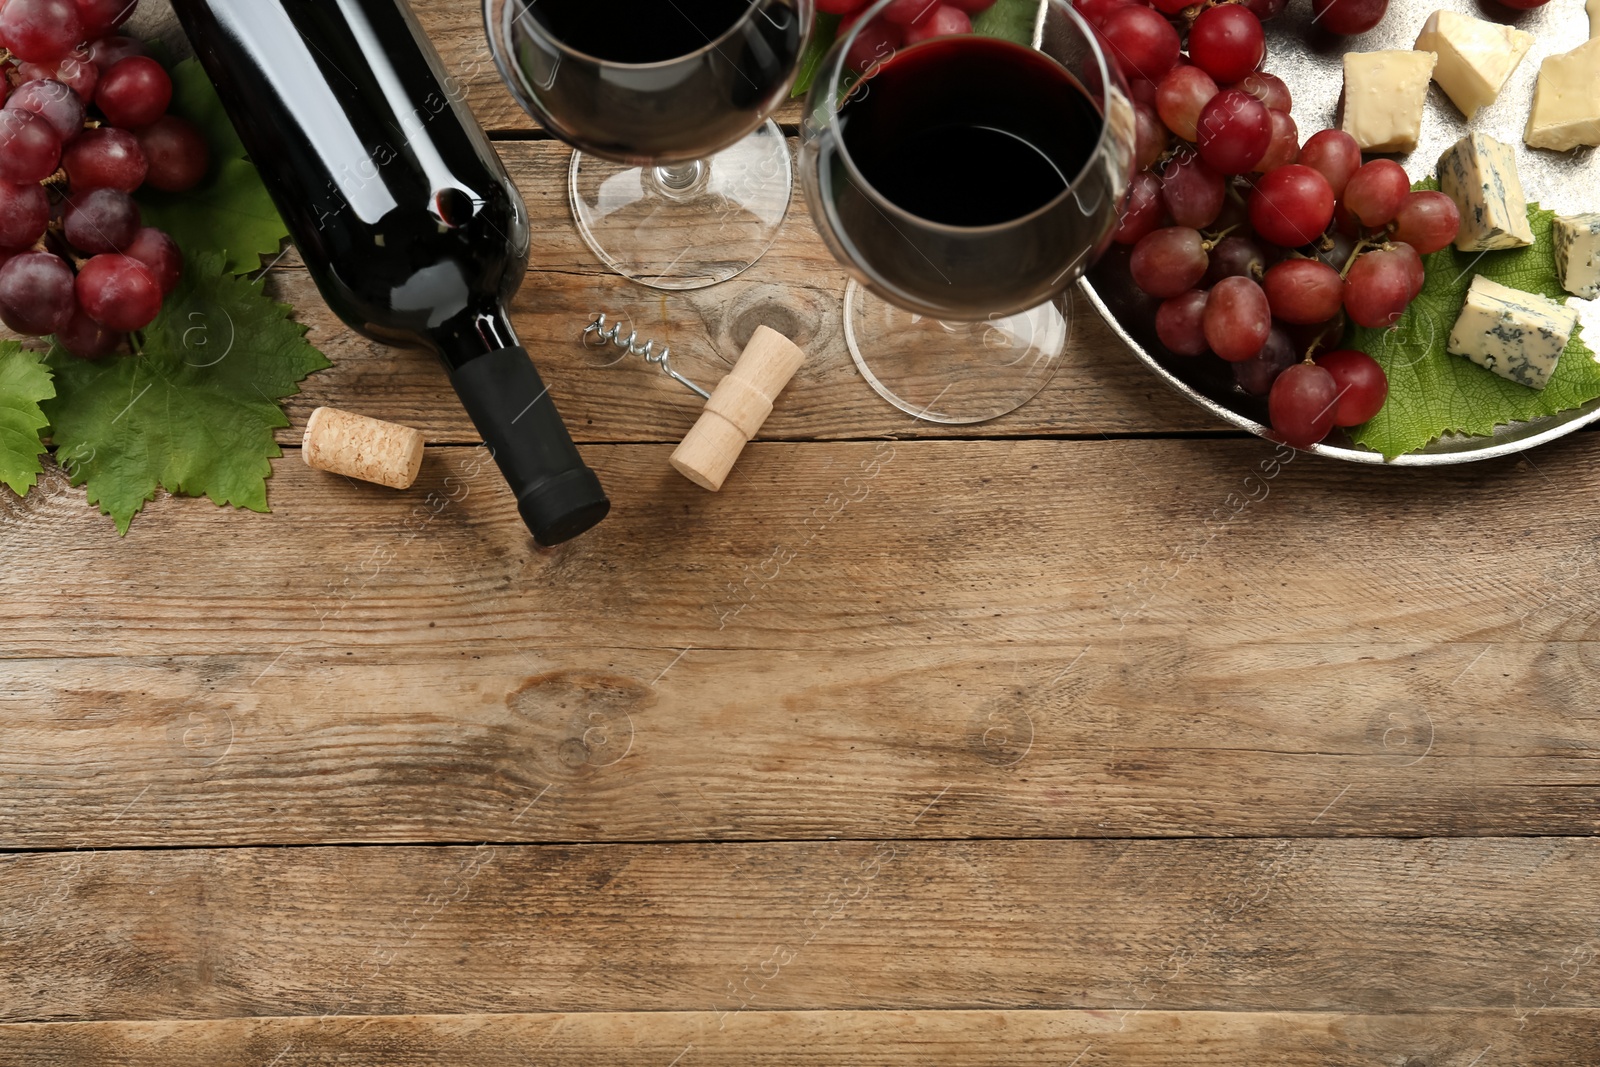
x=685, y=225
x=954, y=372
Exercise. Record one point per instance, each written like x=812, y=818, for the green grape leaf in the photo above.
x=230, y=211
x=24, y=382
x=195, y=408
x=1009, y=19
x=1432, y=392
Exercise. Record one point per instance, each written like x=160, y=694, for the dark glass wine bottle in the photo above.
x=402, y=211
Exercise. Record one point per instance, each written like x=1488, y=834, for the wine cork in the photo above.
x=737, y=409
x=369, y=449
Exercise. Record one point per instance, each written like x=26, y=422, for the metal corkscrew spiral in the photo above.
x=596, y=335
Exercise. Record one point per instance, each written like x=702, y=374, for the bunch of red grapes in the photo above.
x=1261, y=248
x=904, y=22
x=84, y=125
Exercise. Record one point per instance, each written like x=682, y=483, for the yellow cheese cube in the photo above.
x=1383, y=97
x=1475, y=57
x=1566, y=100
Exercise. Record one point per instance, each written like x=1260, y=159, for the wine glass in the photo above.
x=680, y=179
x=965, y=182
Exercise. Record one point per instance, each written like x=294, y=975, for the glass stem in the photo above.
x=678, y=181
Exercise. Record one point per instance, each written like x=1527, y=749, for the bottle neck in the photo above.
x=473, y=333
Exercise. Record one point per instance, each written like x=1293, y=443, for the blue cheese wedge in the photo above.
x=1383, y=97
x=1475, y=57
x=1480, y=175
x=1517, y=335
x=1566, y=100
x=1577, y=241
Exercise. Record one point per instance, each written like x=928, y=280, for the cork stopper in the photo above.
x=737, y=409
x=369, y=449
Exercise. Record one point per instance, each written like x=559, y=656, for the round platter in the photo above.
x=1310, y=61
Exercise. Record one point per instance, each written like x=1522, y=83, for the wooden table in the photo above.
x=1096, y=735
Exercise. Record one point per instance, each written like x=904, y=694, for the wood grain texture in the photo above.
x=797, y=289
x=802, y=652
x=1365, y=926
x=1557, y=1037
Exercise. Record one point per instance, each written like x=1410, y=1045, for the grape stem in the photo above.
x=1211, y=239
x=1363, y=245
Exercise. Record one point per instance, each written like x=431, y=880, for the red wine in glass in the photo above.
x=680, y=179
x=965, y=182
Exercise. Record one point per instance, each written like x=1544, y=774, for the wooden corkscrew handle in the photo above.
x=737, y=409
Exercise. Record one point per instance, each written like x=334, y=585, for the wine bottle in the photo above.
x=401, y=210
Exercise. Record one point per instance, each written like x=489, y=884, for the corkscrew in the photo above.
x=734, y=413
x=595, y=335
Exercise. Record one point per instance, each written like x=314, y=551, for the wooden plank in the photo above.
x=797, y=288
x=1362, y=926
x=1557, y=1037
x=653, y=744
x=802, y=653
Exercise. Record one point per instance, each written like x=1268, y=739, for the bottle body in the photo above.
x=401, y=210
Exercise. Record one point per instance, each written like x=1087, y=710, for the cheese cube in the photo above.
x=1480, y=175
x=1566, y=100
x=1383, y=97
x=1577, y=241
x=1475, y=57
x=1517, y=335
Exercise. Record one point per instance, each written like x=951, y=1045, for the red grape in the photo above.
x=1376, y=192
x=30, y=148
x=1143, y=43
x=87, y=339
x=876, y=42
x=74, y=71
x=24, y=214
x=1150, y=136
x=1192, y=191
x=1302, y=403
x=1362, y=385
x=1427, y=221
x=1524, y=5
x=106, y=158
x=1334, y=154
x=1226, y=42
x=135, y=92
x=36, y=295
x=160, y=253
x=1180, y=323
x=1377, y=289
x=40, y=31
x=1237, y=319
x=1285, y=146
x=100, y=17
x=1168, y=261
x=1416, y=274
x=107, y=52
x=1265, y=9
x=52, y=101
x=119, y=292
x=1180, y=97
x=839, y=7
x=1256, y=374
x=1304, y=291
x=944, y=21
x=1142, y=212
x=177, y=154
x=1235, y=257
x=1171, y=7
x=971, y=7
x=1095, y=12
x=1234, y=131
x=101, y=220
x=905, y=12
x=1291, y=205
x=1267, y=88
x=1348, y=16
